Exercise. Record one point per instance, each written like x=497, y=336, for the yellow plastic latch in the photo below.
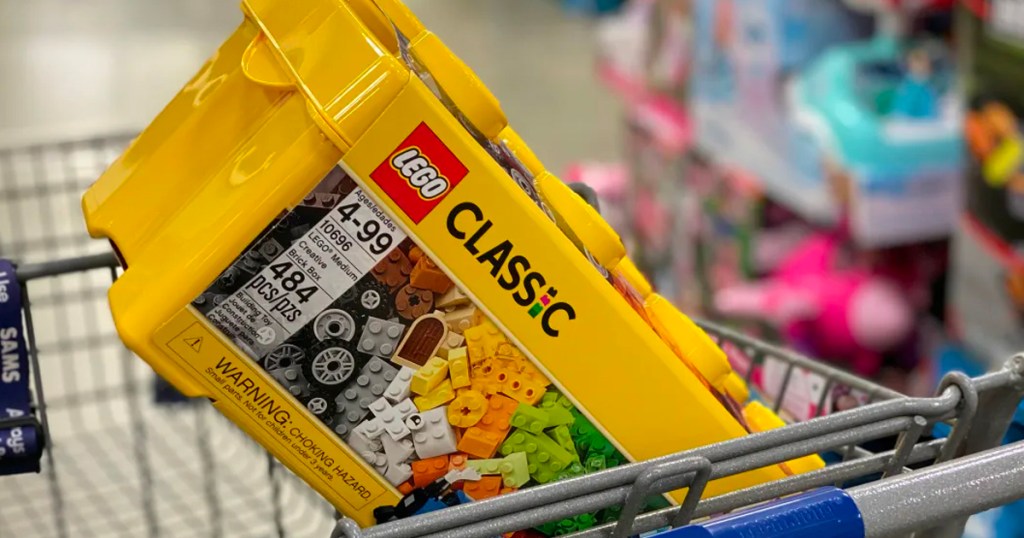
x=762, y=419
x=736, y=388
x=400, y=15
x=522, y=151
x=576, y=217
x=260, y=64
x=698, y=349
x=629, y=271
x=466, y=91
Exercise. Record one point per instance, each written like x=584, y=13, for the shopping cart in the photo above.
x=120, y=461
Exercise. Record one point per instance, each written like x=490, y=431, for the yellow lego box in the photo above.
x=333, y=234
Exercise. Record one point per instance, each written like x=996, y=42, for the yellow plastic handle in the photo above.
x=577, y=218
x=698, y=349
x=466, y=91
x=260, y=64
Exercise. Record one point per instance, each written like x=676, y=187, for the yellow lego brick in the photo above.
x=429, y=376
x=453, y=341
x=441, y=395
x=467, y=408
x=482, y=341
x=458, y=366
x=524, y=389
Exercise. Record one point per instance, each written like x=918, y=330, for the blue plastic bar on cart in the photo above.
x=823, y=512
x=20, y=443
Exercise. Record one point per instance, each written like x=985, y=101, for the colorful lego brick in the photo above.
x=426, y=471
x=595, y=464
x=528, y=533
x=397, y=474
x=545, y=457
x=421, y=341
x=524, y=389
x=429, y=376
x=557, y=415
x=482, y=341
x=555, y=398
x=458, y=461
x=427, y=275
x=399, y=390
x=394, y=270
x=390, y=419
x=380, y=337
x=484, y=377
x=431, y=433
x=441, y=395
x=515, y=470
x=467, y=409
x=452, y=298
x=406, y=487
x=572, y=471
x=397, y=451
x=453, y=341
x=529, y=418
x=486, y=487
x=562, y=436
x=460, y=320
x=480, y=443
x=458, y=366
x=486, y=467
x=499, y=411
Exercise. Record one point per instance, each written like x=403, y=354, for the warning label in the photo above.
x=268, y=408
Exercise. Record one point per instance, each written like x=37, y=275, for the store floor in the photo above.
x=71, y=69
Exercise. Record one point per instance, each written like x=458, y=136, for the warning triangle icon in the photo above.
x=195, y=343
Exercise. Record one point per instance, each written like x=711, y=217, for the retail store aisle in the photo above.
x=88, y=67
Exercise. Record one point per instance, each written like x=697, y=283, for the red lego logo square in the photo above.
x=419, y=173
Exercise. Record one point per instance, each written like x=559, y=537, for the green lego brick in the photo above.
x=610, y=514
x=492, y=466
x=595, y=463
x=515, y=470
x=557, y=415
x=585, y=521
x=529, y=418
x=562, y=436
x=544, y=456
x=572, y=471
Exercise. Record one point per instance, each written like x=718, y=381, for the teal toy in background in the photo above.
x=887, y=127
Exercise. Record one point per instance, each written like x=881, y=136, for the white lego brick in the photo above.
x=405, y=408
x=397, y=451
x=398, y=389
x=432, y=435
x=396, y=474
x=457, y=475
x=379, y=406
x=372, y=428
x=361, y=443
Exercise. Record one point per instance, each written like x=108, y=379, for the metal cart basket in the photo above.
x=124, y=457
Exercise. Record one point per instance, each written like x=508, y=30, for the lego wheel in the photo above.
x=334, y=324
x=370, y=297
x=333, y=366
x=317, y=405
x=283, y=356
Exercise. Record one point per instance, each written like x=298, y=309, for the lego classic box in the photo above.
x=333, y=234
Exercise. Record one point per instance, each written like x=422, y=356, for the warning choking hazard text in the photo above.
x=238, y=385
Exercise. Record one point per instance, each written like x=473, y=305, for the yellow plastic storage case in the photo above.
x=336, y=153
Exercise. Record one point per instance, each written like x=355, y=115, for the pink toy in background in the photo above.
x=827, y=306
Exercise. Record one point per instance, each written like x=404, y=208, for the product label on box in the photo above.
x=894, y=208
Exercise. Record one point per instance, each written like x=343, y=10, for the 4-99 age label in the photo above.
x=341, y=240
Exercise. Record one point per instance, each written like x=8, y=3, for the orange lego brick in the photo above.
x=486, y=487
x=406, y=487
x=424, y=472
x=499, y=412
x=481, y=443
x=457, y=461
x=427, y=275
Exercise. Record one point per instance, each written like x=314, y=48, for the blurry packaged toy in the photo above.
x=333, y=234
x=987, y=291
x=831, y=122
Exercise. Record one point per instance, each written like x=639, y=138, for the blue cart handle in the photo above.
x=816, y=514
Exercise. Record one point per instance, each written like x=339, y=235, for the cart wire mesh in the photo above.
x=123, y=460
x=124, y=456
